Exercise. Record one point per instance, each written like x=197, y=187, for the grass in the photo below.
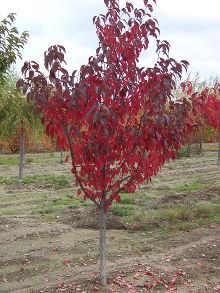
x=122, y=211
x=210, y=147
x=140, y=198
x=178, y=217
x=206, y=147
x=149, y=216
x=191, y=186
x=144, y=210
x=127, y=198
x=8, y=181
x=184, y=152
x=10, y=160
x=73, y=206
x=207, y=210
x=48, y=180
x=55, y=206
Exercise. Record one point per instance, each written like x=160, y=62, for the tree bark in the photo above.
x=61, y=156
x=21, y=157
x=102, y=243
x=200, y=145
x=219, y=148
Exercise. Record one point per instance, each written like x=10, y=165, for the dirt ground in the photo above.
x=37, y=256
x=60, y=256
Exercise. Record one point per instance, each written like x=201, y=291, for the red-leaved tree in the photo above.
x=119, y=121
x=211, y=112
x=205, y=108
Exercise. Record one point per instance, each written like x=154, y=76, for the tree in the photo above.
x=200, y=92
x=18, y=115
x=207, y=105
x=10, y=44
x=211, y=111
x=119, y=121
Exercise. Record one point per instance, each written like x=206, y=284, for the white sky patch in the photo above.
x=192, y=27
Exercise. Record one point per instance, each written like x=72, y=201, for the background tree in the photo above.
x=11, y=43
x=211, y=111
x=14, y=109
x=119, y=121
x=203, y=131
x=18, y=117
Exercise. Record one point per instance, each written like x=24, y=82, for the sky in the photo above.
x=192, y=27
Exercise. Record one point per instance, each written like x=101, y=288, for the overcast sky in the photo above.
x=191, y=26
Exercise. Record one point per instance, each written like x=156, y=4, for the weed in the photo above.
x=121, y=211
x=184, y=152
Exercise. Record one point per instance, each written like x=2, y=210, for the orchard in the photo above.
x=118, y=120
x=119, y=123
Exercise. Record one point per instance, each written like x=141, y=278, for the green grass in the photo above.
x=189, y=186
x=207, y=210
x=73, y=206
x=173, y=215
x=127, y=198
x=122, y=211
x=145, y=210
x=184, y=152
x=8, y=212
x=48, y=209
x=8, y=181
x=178, y=217
x=56, y=204
x=61, y=201
x=140, y=198
x=48, y=180
x=9, y=160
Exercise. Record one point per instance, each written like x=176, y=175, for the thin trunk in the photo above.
x=61, y=156
x=219, y=148
x=21, y=157
x=188, y=148
x=200, y=145
x=102, y=243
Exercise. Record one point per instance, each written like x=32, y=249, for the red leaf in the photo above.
x=66, y=159
x=149, y=274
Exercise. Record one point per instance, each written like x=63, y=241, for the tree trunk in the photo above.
x=21, y=157
x=200, y=145
x=61, y=156
x=219, y=148
x=188, y=148
x=102, y=243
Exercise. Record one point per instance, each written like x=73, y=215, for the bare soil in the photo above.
x=37, y=255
